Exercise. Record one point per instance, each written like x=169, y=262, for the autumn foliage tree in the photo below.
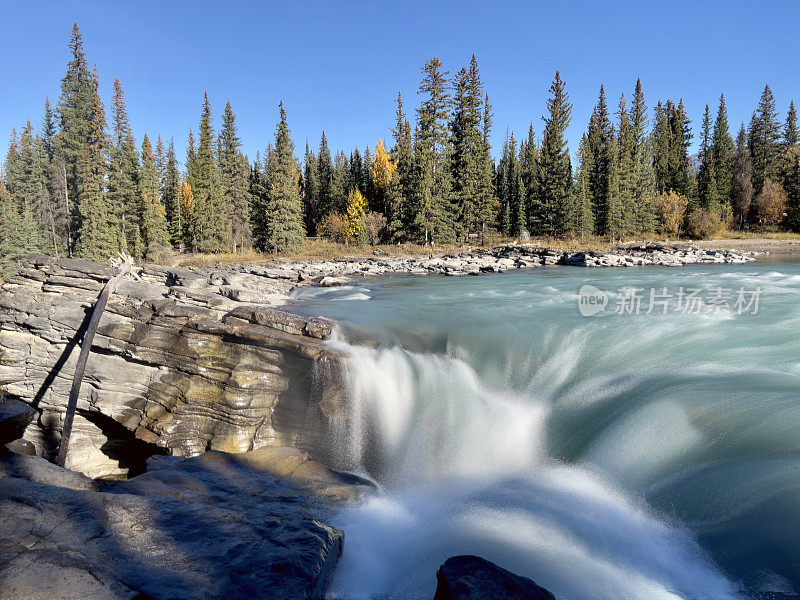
x=772, y=203
x=671, y=208
x=355, y=215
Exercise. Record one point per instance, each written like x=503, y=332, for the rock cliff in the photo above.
x=184, y=361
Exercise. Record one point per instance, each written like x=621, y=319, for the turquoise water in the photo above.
x=612, y=456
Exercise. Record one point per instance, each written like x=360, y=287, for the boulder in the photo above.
x=474, y=578
x=15, y=416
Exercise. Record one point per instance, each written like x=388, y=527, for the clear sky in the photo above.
x=339, y=65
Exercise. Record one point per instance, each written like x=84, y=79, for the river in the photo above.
x=648, y=451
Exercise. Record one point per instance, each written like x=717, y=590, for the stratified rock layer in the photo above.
x=177, y=366
x=218, y=526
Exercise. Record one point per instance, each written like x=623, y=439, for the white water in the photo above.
x=466, y=473
x=591, y=455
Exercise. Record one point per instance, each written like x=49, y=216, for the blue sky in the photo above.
x=339, y=65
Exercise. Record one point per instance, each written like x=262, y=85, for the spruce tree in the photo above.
x=17, y=234
x=234, y=172
x=615, y=217
x=152, y=215
x=99, y=230
x=471, y=183
x=625, y=184
x=210, y=224
x=399, y=216
x=707, y=177
x=48, y=130
x=171, y=198
x=643, y=179
x=791, y=183
x=26, y=181
x=528, y=170
x=582, y=218
x=764, y=140
x=742, y=185
x=123, y=175
x=549, y=213
x=311, y=190
x=722, y=152
x=599, y=139
x=75, y=106
x=325, y=172
x=510, y=191
x=791, y=134
x=339, y=189
x=283, y=211
x=432, y=209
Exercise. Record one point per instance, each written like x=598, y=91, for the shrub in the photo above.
x=375, y=225
x=334, y=227
x=704, y=223
x=671, y=208
x=772, y=203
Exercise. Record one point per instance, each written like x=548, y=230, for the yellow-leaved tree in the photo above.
x=383, y=171
x=187, y=213
x=356, y=211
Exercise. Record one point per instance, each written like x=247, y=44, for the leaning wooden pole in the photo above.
x=123, y=268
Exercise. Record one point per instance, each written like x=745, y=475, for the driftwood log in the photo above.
x=124, y=266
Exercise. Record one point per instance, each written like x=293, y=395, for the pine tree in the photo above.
x=152, y=216
x=99, y=234
x=722, y=152
x=764, y=140
x=554, y=169
x=615, y=217
x=340, y=183
x=325, y=172
x=582, y=219
x=123, y=175
x=171, y=198
x=742, y=186
x=471, y=181
x=707, y=177
x=75, y=106
x=210, y=227
x=791, y=183
x=528, y=170
x=48, y=130
x=283, y=211
x=17, y=234
x=599, y=139
x=27, y=184
x=311, y=191
x=644, y=182
x=234, y=172
x=433, y=212
x=510, y=190
x=366, y=185
x=399, y=215
x=791, y=134
x=626, y=222
x=679, y=150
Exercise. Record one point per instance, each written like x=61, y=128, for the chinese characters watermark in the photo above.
x=661, y=300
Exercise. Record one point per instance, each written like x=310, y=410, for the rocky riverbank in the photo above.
x=183, y=362
x=495, y=260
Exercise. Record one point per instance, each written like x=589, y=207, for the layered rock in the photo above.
x=218, y=526
x=181, y=364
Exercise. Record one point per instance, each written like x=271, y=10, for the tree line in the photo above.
x=78, y=185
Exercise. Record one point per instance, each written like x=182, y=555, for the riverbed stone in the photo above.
x=474, y=578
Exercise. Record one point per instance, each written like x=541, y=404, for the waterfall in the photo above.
x=464, y=471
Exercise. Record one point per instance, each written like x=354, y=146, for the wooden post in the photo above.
x=123, y=268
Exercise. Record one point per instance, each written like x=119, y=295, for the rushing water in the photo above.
x=616, y=456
